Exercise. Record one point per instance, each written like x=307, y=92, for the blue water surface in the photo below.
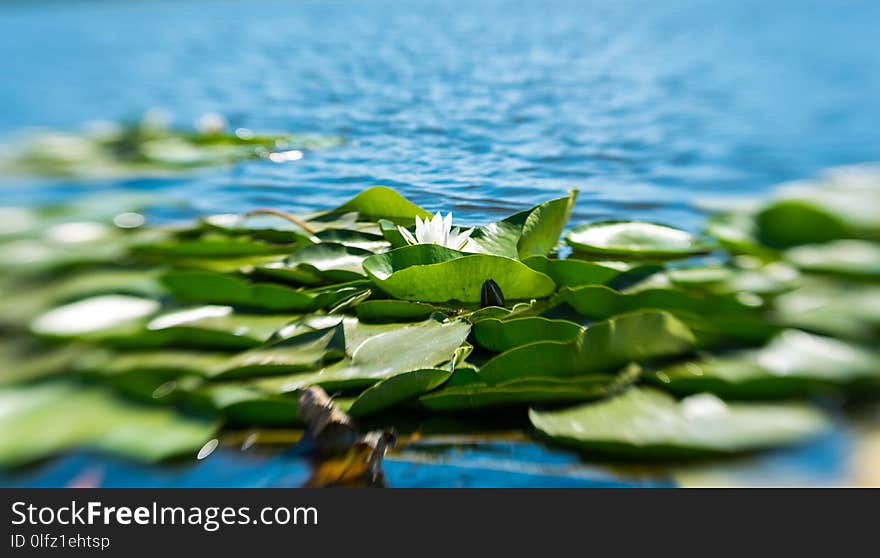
x=481, y=107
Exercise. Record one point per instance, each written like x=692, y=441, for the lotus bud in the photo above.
x=491, y=295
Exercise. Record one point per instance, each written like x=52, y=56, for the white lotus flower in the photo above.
x=437, y=230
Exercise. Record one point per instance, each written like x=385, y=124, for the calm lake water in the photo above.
x=482, y=108
x=479, y=107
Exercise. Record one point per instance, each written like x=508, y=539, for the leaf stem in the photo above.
x=284, y=215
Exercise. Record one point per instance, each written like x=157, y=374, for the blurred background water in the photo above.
x=479, y=107
x=482, y=108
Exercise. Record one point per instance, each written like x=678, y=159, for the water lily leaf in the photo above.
x=354, y=239
x=381, y=202
x=854, y=258
x=634, y=239
x=737, y=233
x=794, y=363
x=518, y=310
x=378, y=352
x=266, y=226
x=33, y=299
x=245, y=405
x=431, y=273
x=391, y=310
x=164, y=364
x=210, y=246
x=572, y=272
x=713, y=315
x=840, y=309
x=644, y=423
x=788, y=223
x=397, y=389
x=48, y=418
x=603, y=346
x=219, y=288
x=501, y=335
x=132, y=322
x=528, y=391
x=306, y=351
x=93, y=315
x=534, y=232
x=22, y=360
x=145, y=148
x=319, y=263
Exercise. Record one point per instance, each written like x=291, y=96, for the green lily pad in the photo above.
x=501, y=335
x=381, y=202
x=602, y=347
x=49, y=418
x=133, y=322
x=529, y=391
x=644, y=423
x=853, y=258
x=245, y=405
x=534, y=232
x=391, y=310
x=431, y=273
x=306, y=351
x=218, y=288
x=713, y=315
x=634, y=239
x=145, y=148
x=397, y=389
x=379, y=352
x=572, y=272
x=319, y=263
x=210, y=246
x=794, y=363
x=93, y=315
x=268, y=227
x=788, y=223
x=841, y=309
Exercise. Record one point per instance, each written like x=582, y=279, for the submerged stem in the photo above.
x=292, y=218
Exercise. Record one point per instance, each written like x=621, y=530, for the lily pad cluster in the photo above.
x=149, y=147
x=624, y=339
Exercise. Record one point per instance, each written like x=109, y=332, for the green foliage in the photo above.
x=235, y=314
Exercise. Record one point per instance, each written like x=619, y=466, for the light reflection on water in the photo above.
x=481, y=109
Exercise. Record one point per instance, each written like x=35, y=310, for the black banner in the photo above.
x=221, y=522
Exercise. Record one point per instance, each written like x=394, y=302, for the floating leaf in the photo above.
x=572, y=272
x=727, y=315
x=634, y=239
x=840, y=309
x=529, y=391
x=543, y=225
x=397, y=389
x=533, y=232
x=793, y=363
x=602, y=347
x=320, y=263
x=501, y=335
x=45, y=419
x=219, y=288
x=210, y=246
x=247, y=405
x=380, y=352
x=122, y=321
x=431, y=273
x=381, y=202
x=854, y=258
x=644, y=423
x=391, y=310
x=306, y=351
x=93, y=315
